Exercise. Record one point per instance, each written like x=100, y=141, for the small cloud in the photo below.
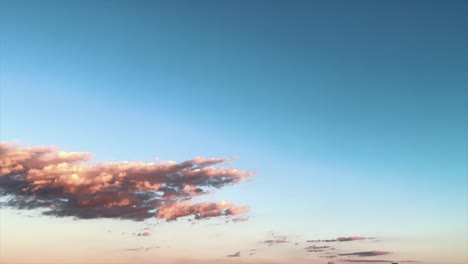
x=340, y=239
x=235, y=255
x=148, y=248
x=139, y=249
x=366, y=253
x=133, y=249
x=240, y=219
x=321, y=240
x=317, y=247
x=273, y=238
x=200, y=210
x=276, y=240
x=353, y=238
x=145, y=233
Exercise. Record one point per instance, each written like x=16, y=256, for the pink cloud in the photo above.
x=200, y=210
x=40, y=176
x=144, y=233
x=276, y=240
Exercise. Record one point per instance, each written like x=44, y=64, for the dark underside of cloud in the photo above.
x=366, y=253
x=65, y=184
x=334, y=250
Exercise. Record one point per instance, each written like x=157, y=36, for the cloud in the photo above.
x=340, y=239
x=366, y=253
x=276, y=240
x=321, y=240
x=145, y=233
x=237, y=254
x=140, y=248
x=66, y=184
x=330, y=250
x=200, y=210
x=318, y=248
x=353, y=238
x=240, y=219
x=134, y=249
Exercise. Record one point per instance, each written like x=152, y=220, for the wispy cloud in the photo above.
x=353, y=238
x=366, y=253
x=340, y=239
x=240, y=219
x=65, y=184
x=276, y=240
x=318, y=248
x=237, y=254
x=140, y=248
x=144, y=233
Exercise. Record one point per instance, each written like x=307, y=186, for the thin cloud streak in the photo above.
x=366, y=253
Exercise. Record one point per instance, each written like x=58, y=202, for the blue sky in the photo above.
x=353, y=113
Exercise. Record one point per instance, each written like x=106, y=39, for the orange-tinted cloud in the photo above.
x=200, y=210
x=64, y=183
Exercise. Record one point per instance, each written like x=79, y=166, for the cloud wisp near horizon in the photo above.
x=67, y=184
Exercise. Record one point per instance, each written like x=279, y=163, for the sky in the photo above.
x=340, y=118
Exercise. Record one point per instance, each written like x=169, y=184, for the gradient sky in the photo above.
x=352, y=113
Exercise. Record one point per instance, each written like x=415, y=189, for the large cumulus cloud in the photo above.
x=66, y=184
